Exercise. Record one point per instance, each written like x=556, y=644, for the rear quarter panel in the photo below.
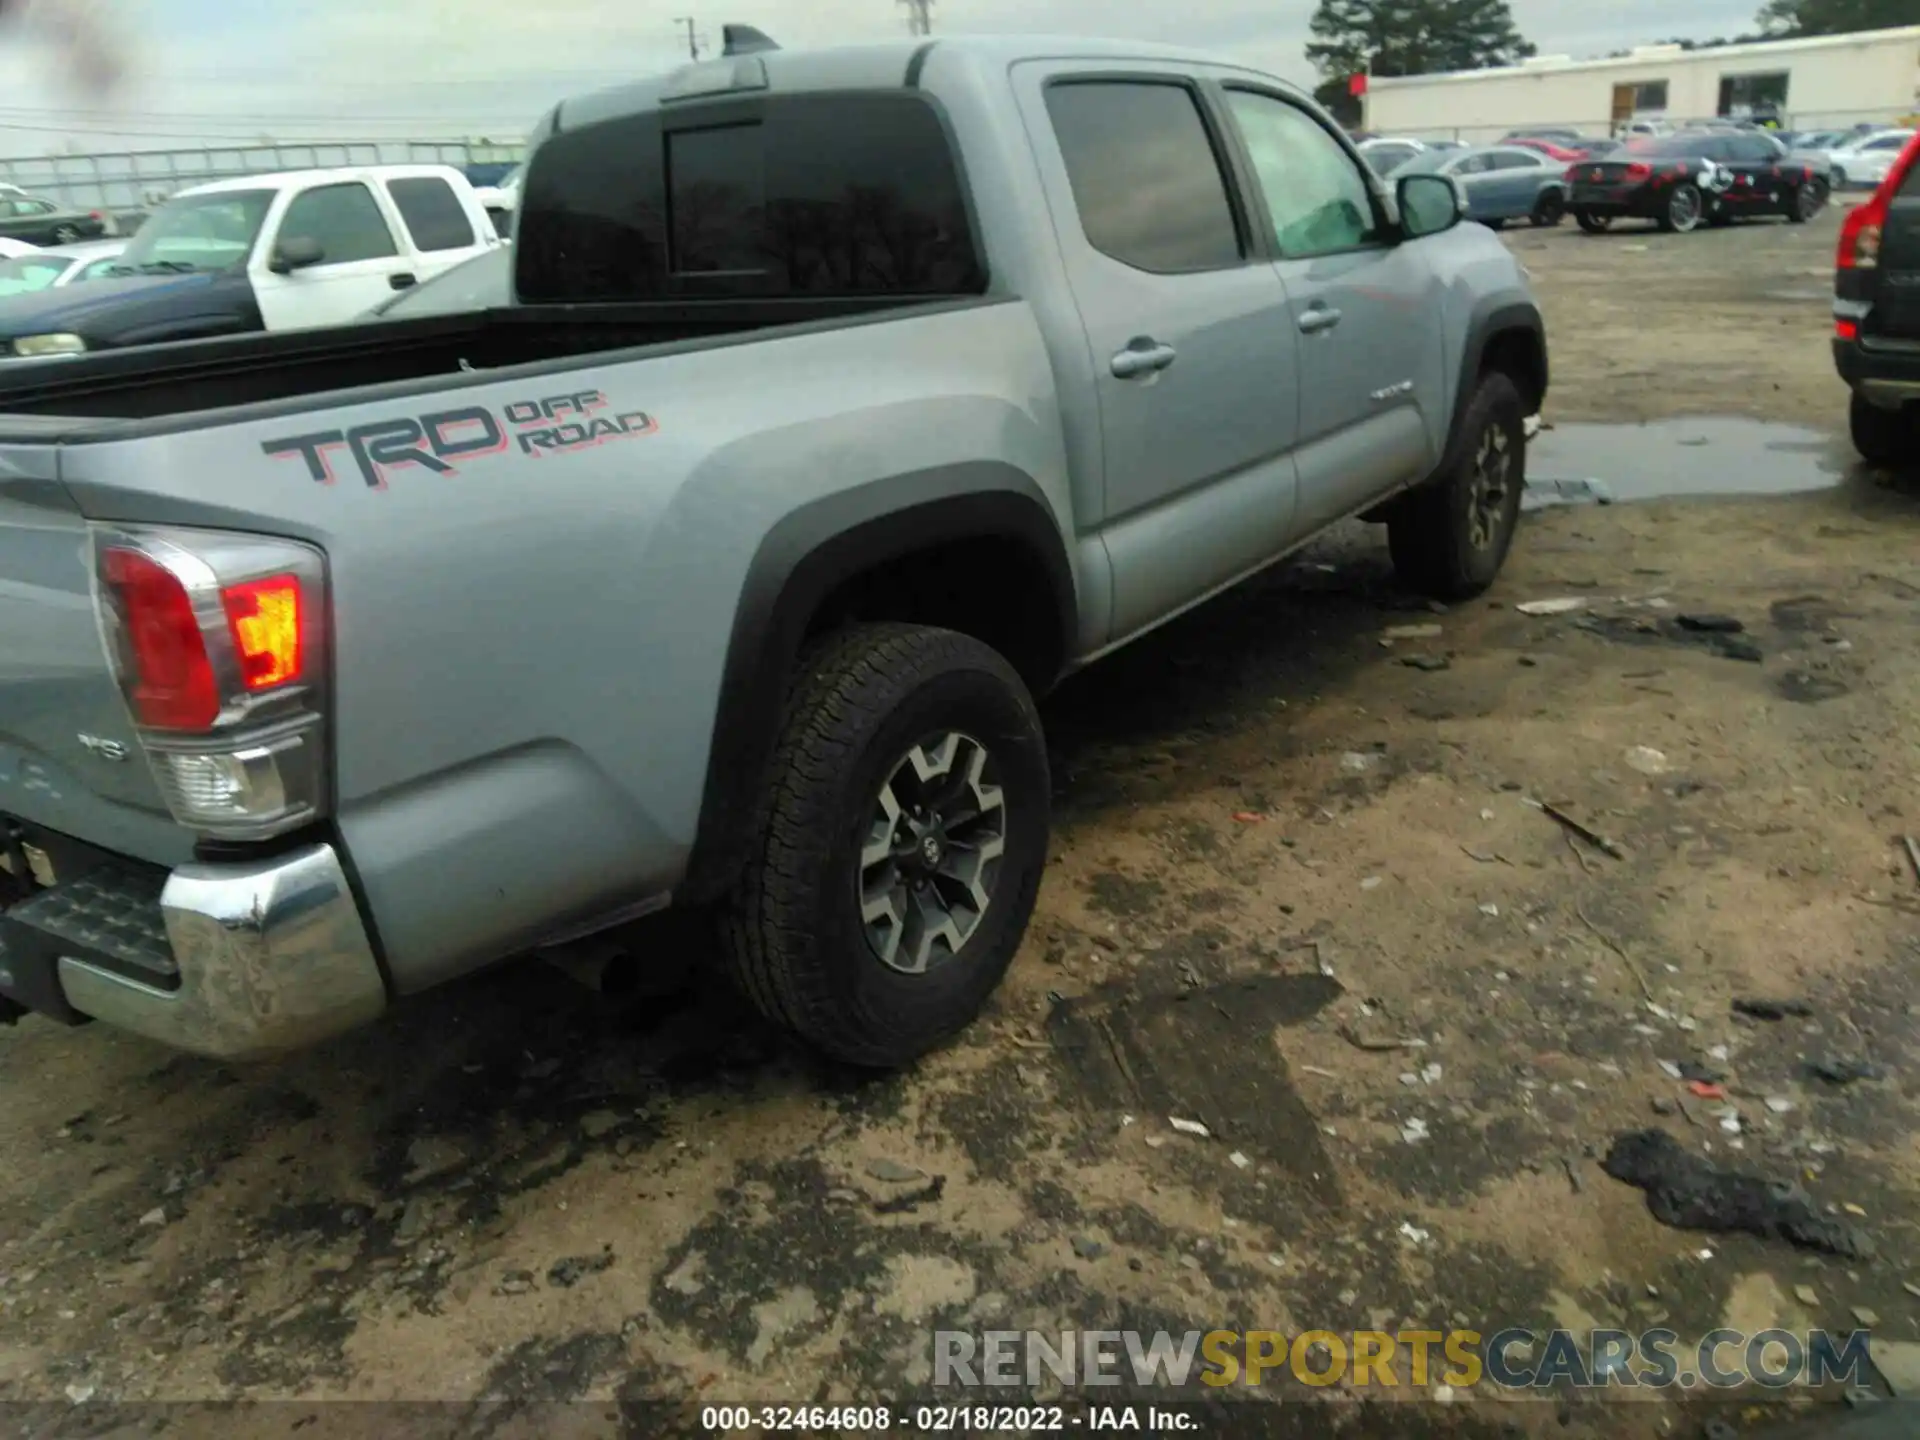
x=529, y=648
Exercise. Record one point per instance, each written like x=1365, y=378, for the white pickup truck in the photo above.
x=262, y=252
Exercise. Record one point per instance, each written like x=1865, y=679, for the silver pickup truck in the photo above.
x=847, y=400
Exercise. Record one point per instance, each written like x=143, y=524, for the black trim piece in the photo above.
x=918, y=63
x=800, y=562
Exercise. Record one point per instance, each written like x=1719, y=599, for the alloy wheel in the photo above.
x=1488, y=490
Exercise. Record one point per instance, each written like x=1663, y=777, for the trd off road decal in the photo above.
x=442, y=440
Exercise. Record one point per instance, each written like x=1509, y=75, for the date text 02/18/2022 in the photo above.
x=946, y=1419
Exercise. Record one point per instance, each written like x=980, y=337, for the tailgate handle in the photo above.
x=404, y=280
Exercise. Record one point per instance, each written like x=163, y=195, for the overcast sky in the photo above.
x=238, y=70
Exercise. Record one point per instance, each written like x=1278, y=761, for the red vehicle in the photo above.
x=1551, y=149
x=1876, y=315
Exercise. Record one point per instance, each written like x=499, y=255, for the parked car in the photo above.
x=266, y=252
x=1876, y=311
x=1501, y=182
x=721, y=571
x=1683, y=180
x=41, y=222
x=1866, y=160
x=11, y=248
x=49, y=269
x=1628, y=129
x=477, y=284
x=1387, y=154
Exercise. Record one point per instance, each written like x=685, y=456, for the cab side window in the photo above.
x=344, y=219
x=1319, y=200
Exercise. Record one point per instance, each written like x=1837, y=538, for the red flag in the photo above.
x=1357, y=86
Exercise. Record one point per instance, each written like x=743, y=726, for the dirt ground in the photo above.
x=1278, y=847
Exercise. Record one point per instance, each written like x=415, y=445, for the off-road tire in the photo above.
x=792, y=932
x=1884, y=437
x=1591, y=223
x=1430, y=530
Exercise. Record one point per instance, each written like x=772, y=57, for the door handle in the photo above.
x=404, y=280
x=1143, y=356
x=1318, y=318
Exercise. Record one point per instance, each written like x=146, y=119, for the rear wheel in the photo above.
x=1591, y=223
x=1886, y=437
x=1550, y=209
x=1805, y=203
x=901, y=848
x=1684, y=210
x=1838, y=178
x=1450, y=537
x=65, y=235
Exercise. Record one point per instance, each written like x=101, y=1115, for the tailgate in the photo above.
x=69, y=758
x=1896, y=309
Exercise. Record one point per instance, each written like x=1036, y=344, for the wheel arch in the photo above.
x=885, y=550
x=1505, y=336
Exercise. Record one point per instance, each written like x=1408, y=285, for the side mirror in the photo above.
x=1429, y=204
x=295, y=252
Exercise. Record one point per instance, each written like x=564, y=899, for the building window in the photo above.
x=1649, y=95
x=1746, y=95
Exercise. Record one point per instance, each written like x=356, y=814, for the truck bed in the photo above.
x=164, y=387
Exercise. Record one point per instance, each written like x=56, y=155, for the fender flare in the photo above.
x=798, y=564
x=1490, y=318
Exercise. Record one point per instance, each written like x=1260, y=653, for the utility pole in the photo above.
x=919, y=16
x=693, y=39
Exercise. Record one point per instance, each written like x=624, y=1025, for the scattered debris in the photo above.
x=1709, y=624
x=1430, y=1074
x=1845, y=1072
x=1362, y=1042
x=892, y=1172
x=1087, y=1248
x=1664, y=1105
x=79, y=1394
x=1806, y=1294
x=1694, y=1070
x=1690, y=1192
x=569, y=1272
x=1491, y=910
x=1372, y=882
x=1240, y=1160
x=514, y=1282
x=155, y=1216
x=908, y=1201
x=1190, y=1127
x=1411, y=632
x=1673, y=1070
x=1430, y=663
x=1413, y=1234
x=1759, y=1009
x=1568, y=1163
x=1592, y=837
x=1867, y=1318
x=1247, y=817
x=1913, y=854
x=1707, y=1090
x=1355, y=763
x=1779, y=1104
x=1647, y=760
x=1414, y=1131
x=1564, y=605
x=1731, y=647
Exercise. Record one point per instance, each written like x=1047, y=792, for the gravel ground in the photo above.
x=1278, y=847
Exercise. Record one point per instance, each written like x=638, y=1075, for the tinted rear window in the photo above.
x=1671, y=147
x=434, y=215
x=798, y=195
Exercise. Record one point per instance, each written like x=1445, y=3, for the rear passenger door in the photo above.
x=360, y=260
x=1192, y=345
x=1755, y=162
x=1516, y=178
x=1366, y=306
x=441, y=230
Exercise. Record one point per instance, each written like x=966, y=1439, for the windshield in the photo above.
x=28, y=273
x=198, y=232
x=1666, y=147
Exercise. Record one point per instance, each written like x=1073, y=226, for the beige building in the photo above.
x=1829, y=82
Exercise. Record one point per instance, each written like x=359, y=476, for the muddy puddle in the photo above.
x=1665, y=459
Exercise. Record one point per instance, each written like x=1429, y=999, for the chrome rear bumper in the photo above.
x=272, y=956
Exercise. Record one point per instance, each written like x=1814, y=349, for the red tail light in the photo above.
x=1638, y=171
x=1846, y=330
x=168, y=675
x=265, y=616
x=1860, y=232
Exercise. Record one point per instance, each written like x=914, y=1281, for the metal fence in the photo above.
x=131, y=182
